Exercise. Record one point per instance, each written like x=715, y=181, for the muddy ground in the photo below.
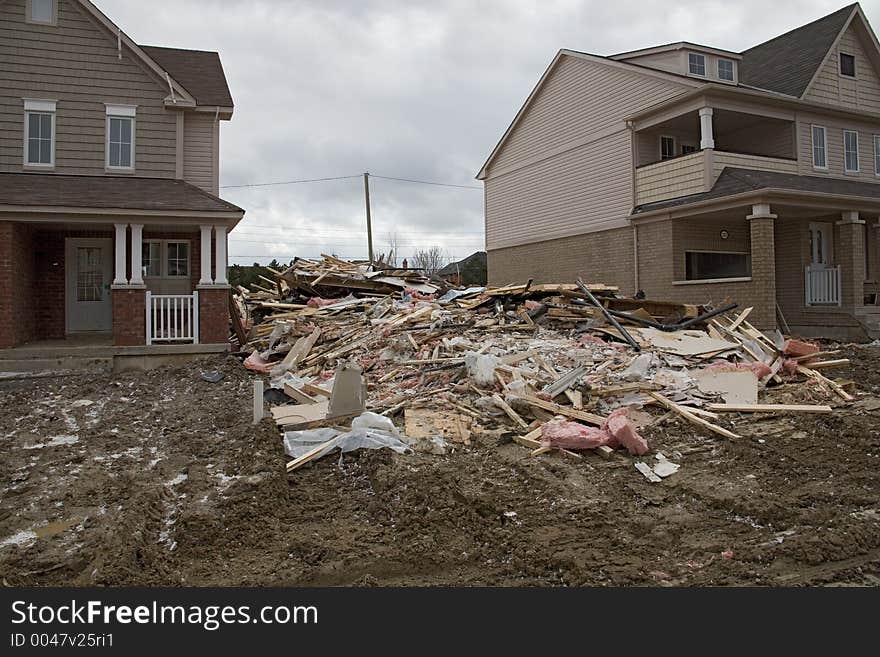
x=160, y=478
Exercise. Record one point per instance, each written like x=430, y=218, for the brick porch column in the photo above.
x=213, y=314
x=851, y=258
x=763, y=247
x=129, y=316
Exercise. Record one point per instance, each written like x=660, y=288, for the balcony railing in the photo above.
x=822, y=286
x=697, y=172
x=172, y=318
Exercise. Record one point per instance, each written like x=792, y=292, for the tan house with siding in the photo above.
x=112, y=233
x=698, y=174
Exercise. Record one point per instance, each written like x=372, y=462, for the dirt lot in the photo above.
x=160, y=478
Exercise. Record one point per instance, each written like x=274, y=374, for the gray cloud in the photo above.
x=405, y=89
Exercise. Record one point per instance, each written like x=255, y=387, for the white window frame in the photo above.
x=845, y=166
x=855, y=67
x=824, y=130
x=28, y=16
x=876, y=140
x=660, y=147
x=32, y=106
x=732, y=70
x=120, y=112
x=701, y=56
x=163, y=259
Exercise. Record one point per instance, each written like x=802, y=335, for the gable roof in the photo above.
x=789, y=62
x=108, y=193
x=199, y=71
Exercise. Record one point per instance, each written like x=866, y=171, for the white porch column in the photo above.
x=137, y=272
x=707, y=137
x=205, y=278
x=220, y=255
x=120, y=245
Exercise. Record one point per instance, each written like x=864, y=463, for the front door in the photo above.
x=820, y=245
x=89, y=272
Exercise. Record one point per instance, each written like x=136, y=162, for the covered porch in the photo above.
x=805, y=264
x=112, y=261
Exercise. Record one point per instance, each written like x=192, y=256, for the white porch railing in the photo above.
x=172, y=318
x=822, y=286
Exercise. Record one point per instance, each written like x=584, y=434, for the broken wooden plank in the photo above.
x=818, y=376
x=591, y=418
x=827, y=364
x=298, y=395
x=512, y=414
x=770, y=408
x=687, y=414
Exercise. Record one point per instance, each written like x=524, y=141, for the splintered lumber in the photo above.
x=770, y=408
x=583, y=416
x=565, y=381
x=826, y=364
x=301, y=349
x=687, y=414
x=512, y=414
x=818, y=376
x=298, y=395
x=739, y=320
x=311, y=454
x=312, y=389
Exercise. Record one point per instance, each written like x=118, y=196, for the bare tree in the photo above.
x=393, y=243
x=430, y=260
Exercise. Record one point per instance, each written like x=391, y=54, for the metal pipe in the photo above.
x=609, y=316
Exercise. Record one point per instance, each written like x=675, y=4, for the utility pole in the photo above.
x=369, y=221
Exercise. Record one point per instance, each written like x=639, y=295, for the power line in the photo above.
x=287, y=182
x=372, y=175
x=425, y=182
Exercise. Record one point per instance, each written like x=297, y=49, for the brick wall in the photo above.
x=213, y=315
x=603, y=257
x=16, y=281
x=129, y=317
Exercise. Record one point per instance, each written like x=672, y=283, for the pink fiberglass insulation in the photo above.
x=624, y=433
x=571, y=435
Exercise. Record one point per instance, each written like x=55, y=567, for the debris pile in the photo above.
x=563, y=368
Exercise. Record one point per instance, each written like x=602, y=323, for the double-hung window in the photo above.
x=120, y=137
x=43, y=12
x=165, y=258
x=39, y=133
x=725, y=70
x=696, y=63
x=851, y=151
x=820, y=147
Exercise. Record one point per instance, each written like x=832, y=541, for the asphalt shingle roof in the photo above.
x=736, y=181
x=787, y=63
x=108, y=192
x=200, y=72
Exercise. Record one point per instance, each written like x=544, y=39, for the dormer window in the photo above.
x=847, y=65
x=725, y=70
x=696, y=63
x=44, y=12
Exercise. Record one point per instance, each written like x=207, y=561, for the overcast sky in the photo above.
x=416, y=89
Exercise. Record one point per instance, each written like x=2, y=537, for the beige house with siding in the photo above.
x=698, y=174
x=112, y=233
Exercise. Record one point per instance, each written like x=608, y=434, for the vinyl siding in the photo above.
x=76, y=63
x=537, y=188
x=583, y=190
x=834, y=128
x=863, y=92
x=721, y=160
x=198, y=151
x=579, y=98
x=670, y=179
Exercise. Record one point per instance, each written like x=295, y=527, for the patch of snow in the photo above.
x=179, y=479
x=18, y=539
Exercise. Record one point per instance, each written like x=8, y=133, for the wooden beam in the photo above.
x=769, y=408
x=583, y=416
x=687, y=414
